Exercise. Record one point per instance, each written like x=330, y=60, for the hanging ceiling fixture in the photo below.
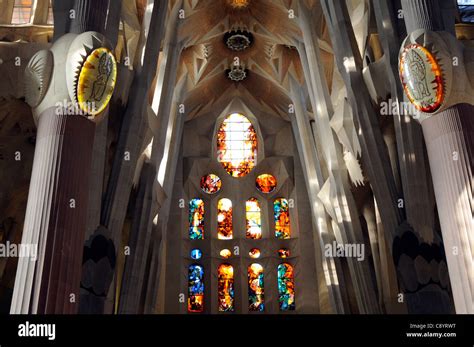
x=238, y=39
x=236, y=73
x=239, y=4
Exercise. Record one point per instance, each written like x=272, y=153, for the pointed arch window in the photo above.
x=256, y=290
x=286, y=287
x=196, y=219
x=237, y=145
x=253, y=219
x=281, y=215
x=195, y=288
x=225, y=287
x=224, y=219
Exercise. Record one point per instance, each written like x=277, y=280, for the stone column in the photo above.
x=55, y=216
x=449, y=137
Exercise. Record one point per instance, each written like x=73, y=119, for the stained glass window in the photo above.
x=253, y=219
x=196, y=254
x=225, y=253
x=256, y=291
x=254, y=253
x=225, y=283
x=237, y=145
x=286, y=287
x=50, y=14
x=195, y=288
x=266, y=183
x=281, y=215
x=211, y=184
x=22, y=12
x=224, y=219
x=283, y=252
x=196, y=219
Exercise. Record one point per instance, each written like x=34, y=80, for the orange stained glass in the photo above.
x=196, y=219
x=283, y=252
x=266, y=183
x=254, y=253
x=224, y=219
x=211, y=184
x=253, y=219
x=225, y=284
x=237, y=145
x=256, y=291
x=281, y=215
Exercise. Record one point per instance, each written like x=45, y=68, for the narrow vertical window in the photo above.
x=281, y=214
x=224, y=219
x=22, y=11
x=196, y=219
x=195, y=288
x=256, y=291
x=253, y=219
x=286, y=287
x=225, y=284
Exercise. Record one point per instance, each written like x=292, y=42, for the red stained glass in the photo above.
x=225, y=283
x=266, y=183
x=283, y=252
x=211, y=184
x=224, y=219
x=237, y=145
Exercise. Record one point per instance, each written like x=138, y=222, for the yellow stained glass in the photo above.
x=253, y=219
x=225, y=253
x=97, y=81
x=225, y=283
x=237, y=145
x=224, y=219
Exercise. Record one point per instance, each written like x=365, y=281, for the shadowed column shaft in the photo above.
x=449, y=140
x=56, y=215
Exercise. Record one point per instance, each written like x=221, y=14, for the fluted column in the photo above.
x=55, y=216
x=449, y=140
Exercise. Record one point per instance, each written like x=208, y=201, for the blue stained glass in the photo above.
x=196, y=219
x=195, y=288
x=196, y=254
x=256, y=291
x=286, y=287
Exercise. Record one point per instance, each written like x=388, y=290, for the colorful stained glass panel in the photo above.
x=281, y=215
x=195, y=288
x=254, y=253
x=237, y=145
x=225, y=283
x=224, y=219
x=253, y=219
x=196, y=254
x=286, y=287
x=256, y=290
x=196, y=219
x=283, y=252
x=266, y=183
x=225, y=253
x=211, y=184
